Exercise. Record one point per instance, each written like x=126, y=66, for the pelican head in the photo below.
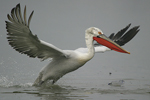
x=104, y=40
x=94, y=31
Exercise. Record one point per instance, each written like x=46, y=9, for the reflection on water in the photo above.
x=60, y=92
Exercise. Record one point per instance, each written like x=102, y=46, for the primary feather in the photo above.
x=22, y=40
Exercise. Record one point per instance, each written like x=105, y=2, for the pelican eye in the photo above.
x=99, y=33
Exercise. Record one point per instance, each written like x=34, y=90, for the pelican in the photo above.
x=62, y=62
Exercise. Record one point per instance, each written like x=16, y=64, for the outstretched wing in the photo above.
x=22, y=40
x=121, y=38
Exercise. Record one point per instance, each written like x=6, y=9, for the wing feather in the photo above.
x=121, y=38
x=128, y=36
x=25, y=19
x=120, y=33
x=22, y=40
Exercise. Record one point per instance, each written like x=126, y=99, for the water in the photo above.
x=131, y=90
x=60, y=92
x=70, y=93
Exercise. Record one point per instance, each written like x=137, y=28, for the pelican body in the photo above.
x=22, y=40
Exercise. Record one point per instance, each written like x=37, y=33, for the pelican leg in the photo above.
x=41, y=83
x=53, y=82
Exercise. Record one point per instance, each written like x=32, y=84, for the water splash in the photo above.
x=117, y=83
x=4, y=82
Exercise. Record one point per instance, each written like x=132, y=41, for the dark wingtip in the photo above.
x=111, y=35
x=128, y=35
x=119, y=34
x=18, y=5
x=130, y=24
x=12, y=11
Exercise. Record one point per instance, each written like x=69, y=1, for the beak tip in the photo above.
x=128, y=52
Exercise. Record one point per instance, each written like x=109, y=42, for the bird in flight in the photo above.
x=22, y=40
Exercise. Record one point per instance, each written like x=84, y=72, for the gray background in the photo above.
x=63, y=23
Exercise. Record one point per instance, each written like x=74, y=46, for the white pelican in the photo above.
x=22, y=40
